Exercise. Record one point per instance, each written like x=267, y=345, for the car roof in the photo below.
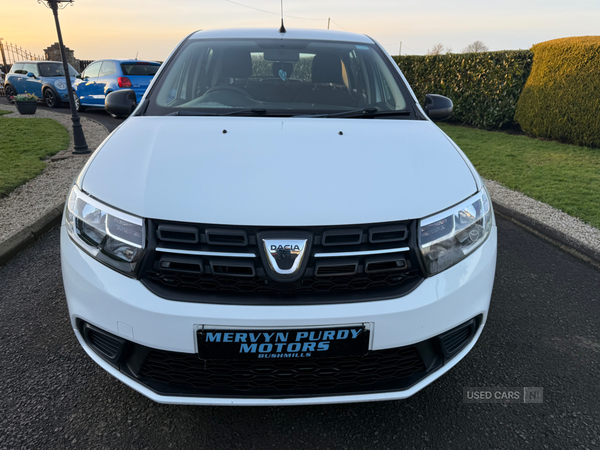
x=124, y=60
x=273, y=33
x=37, y=62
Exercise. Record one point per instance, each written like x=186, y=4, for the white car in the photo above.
x=278, y=222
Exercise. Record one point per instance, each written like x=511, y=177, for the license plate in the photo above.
x=351, y=340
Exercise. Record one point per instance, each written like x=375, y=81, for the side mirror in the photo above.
x=121, y=103
x=438, y=107
x=78, y=76
x=30, y=75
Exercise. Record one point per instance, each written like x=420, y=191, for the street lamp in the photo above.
x=81, y=146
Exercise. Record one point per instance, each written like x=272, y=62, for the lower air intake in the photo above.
x=456, y=339
x=105, y=344
x=184, y=373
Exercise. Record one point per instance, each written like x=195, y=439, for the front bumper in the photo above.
x=124, y=308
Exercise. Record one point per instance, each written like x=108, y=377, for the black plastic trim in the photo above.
x=228, y=266
x=336, y=262
x=415, y=250
x=181, y=263
x=334, y=237
x=452, y=342
x=132, y=359
x=163, y=229
x=87, y=332
x=396, y=259
x=390, y=229
x=212, y=233
x=193, y=296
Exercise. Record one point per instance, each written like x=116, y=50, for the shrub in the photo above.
x=561, y=99
x=484, y=87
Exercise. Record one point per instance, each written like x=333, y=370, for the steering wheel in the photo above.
x=226, y=87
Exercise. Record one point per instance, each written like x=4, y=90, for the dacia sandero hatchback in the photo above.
x=45, y=79
x=278, y=222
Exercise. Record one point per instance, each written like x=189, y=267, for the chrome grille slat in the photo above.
x=203, y=253
x=363, y=253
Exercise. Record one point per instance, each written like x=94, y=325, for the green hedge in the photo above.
x=561, y=99
x=484, y=87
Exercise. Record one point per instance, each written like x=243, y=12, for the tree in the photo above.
x=476, y=47
x=437, y=49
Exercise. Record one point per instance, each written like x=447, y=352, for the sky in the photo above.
x=97, y=29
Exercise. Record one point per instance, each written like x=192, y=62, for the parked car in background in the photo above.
x=45, y=79
x=102, y=77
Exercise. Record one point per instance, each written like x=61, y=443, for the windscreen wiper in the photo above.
x=253, y=111
x=257, y=112
x=184, y=112
x=360, y=113
x=243, y=112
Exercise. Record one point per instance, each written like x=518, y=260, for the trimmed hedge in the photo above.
x=561, y=99
x=484, y=87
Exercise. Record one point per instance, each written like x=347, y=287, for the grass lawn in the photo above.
x=23, y=145
x=564, y=176
x=2, y=112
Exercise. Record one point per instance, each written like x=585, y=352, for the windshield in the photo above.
x=279, y=77
x=55, y=70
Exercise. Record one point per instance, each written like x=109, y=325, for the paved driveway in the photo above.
x=543, y=331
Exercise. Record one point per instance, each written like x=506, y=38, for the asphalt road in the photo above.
x=543, y=331
x=98, y=114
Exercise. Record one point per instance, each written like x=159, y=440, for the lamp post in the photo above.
x=80, y=146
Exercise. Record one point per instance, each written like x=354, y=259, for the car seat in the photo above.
x=236, y=64
x=329, y=87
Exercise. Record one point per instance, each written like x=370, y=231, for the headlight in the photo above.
x=112, y=237
x=450, y=236
x=60, y=84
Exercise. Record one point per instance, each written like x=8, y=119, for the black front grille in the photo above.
x=208, y=263
x=184, y=373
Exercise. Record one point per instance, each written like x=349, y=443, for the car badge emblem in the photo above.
x=284, y=255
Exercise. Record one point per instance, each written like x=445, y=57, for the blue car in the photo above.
x=102, y=77
x=45, y=79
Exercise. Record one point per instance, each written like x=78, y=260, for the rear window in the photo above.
x=134, y=69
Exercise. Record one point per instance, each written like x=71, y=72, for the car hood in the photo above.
x=278, y=172
x=53, y=79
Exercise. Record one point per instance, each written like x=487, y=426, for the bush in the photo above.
x=561, y=99
x=484, y=87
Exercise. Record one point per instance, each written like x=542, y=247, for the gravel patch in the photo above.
x=29, y=201
x=571, y=226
